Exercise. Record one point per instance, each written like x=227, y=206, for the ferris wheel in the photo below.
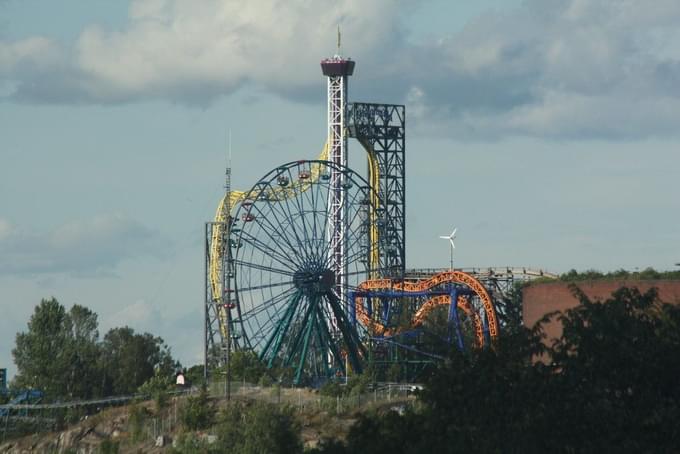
x=289, y=298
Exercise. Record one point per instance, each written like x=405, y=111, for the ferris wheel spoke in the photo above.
x=323, y=233
x=326, y=338
x=263, y=218
x=301, y=334
x=350, y=336
x=274, y=230
x=313, y=196
x=268, y=305
x=308, y=329
x=284, y=210
x=354, y=235
x=301, y=239
x=310, y=230
x=274, y=233
x=355, y=255
x=256, y=266
x=278, y=255
x=319, y=200
x=264, y=286
x=352, y=218
x=302, y=211
x=279, y=333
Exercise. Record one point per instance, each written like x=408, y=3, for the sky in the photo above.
x=546, y=131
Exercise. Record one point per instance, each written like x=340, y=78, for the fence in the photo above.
x=304, y=398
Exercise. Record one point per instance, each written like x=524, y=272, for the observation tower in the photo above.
x=337, y=69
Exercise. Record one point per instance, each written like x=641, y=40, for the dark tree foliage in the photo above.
x=198, y=412
x=62, y=355
x=58, y=353
x=129, y=359
x=194, y=375
x=245, y=365
x=258, y=428
x=619, y=362
x=594, y=275
x=610, y=384
x=83, y=353
x=509, y=311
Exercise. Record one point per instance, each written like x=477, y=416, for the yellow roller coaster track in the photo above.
x=222, y=217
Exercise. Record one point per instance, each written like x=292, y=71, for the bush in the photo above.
x=189, y=443
x=198, y=412
x=108, y=447
x=265, y=381
x=157, y=387
x=258, y=428
x=332, y=388
x=136, y=421
x=246, y=366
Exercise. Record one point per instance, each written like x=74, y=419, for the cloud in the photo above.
x=574, y=69
x=550, y=68
x=84, y=248
x=193, y=52
x=139, y=315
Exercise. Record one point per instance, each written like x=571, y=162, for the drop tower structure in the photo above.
x=337, y=69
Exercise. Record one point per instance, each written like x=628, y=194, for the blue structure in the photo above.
x=30, y=397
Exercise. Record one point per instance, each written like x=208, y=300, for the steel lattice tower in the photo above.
x=337, y=70
x=219, y=302
x=380, y=128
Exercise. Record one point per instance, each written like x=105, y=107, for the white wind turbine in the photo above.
x=450, y=238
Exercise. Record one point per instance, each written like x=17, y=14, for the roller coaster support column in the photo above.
x=454, y=320
x=337, y=70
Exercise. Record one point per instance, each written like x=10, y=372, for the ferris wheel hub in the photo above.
x=314, y=280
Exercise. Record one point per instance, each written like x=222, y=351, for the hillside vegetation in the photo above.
x=609, y=385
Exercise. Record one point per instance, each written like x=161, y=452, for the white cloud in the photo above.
x=194, y=52
x=89, y=247
x=552, y=68
x=139, y=315
x=560, y=69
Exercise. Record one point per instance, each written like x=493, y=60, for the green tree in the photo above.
x=197, y=411
x=509, y=310
x=42, y=354
x=258, y=428
x=608, y=385
x=82, y=351
x=129, y=359
x=157, y=387
x=245, y=365
x=618, y=361
x=194, y=375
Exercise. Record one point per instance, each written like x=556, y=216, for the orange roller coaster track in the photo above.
x=415, y=287
x=439, y=300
